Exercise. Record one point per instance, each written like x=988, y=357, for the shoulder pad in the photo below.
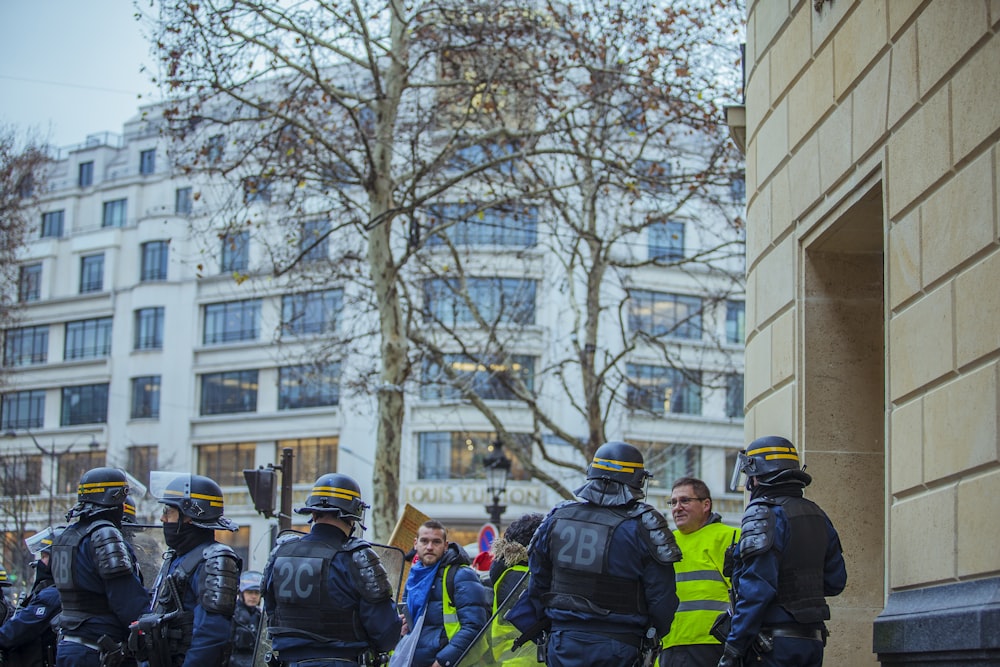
x=370, y=575
x=354, y=543
x=111, y=553
x=656, y=532
x=220, y=579
x=757, y=530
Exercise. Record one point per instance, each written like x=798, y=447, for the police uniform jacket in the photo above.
x=471, y=600
x=246, y=622
x=211, y=631
x=756, y=574
x=24, y=635
x=378, y=619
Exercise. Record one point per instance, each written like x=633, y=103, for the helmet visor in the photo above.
x=738, y=481
x=170, y=488
x=40, y=541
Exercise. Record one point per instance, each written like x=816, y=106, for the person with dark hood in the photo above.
x=601, y=568
x=95, y=571
x=246, y=619
x=787, y=561
x=444, y=589
x=27, y=639
x=702, y=582
x=196, y=589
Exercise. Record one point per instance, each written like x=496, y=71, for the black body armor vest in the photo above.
x=300, y=583
x=800, y=568
x=78, y=604
x=579, y=546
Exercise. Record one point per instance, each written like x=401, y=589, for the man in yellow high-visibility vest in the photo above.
x=702, y=588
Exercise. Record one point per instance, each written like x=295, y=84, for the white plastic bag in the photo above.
x=402, y=656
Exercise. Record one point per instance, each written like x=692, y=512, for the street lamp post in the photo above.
x=497, y=471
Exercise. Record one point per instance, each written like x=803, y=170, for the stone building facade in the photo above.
x=873, y=314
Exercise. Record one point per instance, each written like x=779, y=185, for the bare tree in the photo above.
x=22, y=161
x=355, y=119
x=20, y=486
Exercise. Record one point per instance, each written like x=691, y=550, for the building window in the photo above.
x=315, y=241
x=308, y=386
x=26, y=346
x=225, y=462
x=86, y=174
x=114, y=213
x=669, y=462
x=146, y=397
x=182, y=201
x=29, y=283
x=736, y=322
x=147, y=162
x=459, y=455
x=313, y=457
x=72, y=465
x=142, y=459
x=52, y=224
x=88, y=339
x=235, y=252
x=311, y=312
x=734, y=396
x=488, y=380
x=149, y=328
x=216, y=145
x=489, y=156
x=229, y=392
x=506, y=300
x=666, y=241
x=85, y=404
x=738, y=188
x=231, y=321
x=91, y=273
x=653, y=176
x=663, y=390
x=23, y=409
x=256, y=189
x=512, y=226
x=20, y=475
x=661, y=314
x=154, y=261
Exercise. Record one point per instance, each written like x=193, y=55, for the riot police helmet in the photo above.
x=335, y=493
x=768, y=461
x=5, y=581
x=99, y=490
x=195, y=496
x=129, y=515
x=41, y=541
x=619, y=462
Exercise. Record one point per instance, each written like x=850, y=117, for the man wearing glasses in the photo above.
x=702, y=588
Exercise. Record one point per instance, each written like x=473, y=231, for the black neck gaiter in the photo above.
x=183, y=537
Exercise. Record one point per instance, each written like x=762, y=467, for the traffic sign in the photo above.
x=487, y=534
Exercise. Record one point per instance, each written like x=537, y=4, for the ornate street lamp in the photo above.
x=497, y=471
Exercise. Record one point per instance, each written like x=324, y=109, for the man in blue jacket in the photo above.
x=27, y=639
x=787, y=561
x=602, y=574
x=442, y=587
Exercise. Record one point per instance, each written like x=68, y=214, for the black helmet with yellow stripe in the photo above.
x=104, y=487
x=197, y=497
x=619, y=462
x=770, y=460
x=334, y=492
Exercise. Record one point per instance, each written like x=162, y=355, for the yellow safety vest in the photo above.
x=504, y=634
x=702, y=590
x=448, y=609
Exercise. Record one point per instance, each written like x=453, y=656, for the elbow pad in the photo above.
x=658, y=535
x=111, y=553
x=220, y=580
x=757, y=532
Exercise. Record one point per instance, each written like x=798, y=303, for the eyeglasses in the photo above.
x=684, y=500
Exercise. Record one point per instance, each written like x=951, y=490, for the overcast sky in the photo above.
x=69, y=68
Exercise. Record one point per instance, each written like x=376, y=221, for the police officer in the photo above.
x=27, y=639
x=602, y=569
x=246, y=619
x=95, y=572
x=196, y=593
x=328, y=598
x=787, y=560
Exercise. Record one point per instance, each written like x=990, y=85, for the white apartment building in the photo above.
x=136, y=347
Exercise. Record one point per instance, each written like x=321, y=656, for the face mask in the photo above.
x=182, y=537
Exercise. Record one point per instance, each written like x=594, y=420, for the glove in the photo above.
x=730, y=657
